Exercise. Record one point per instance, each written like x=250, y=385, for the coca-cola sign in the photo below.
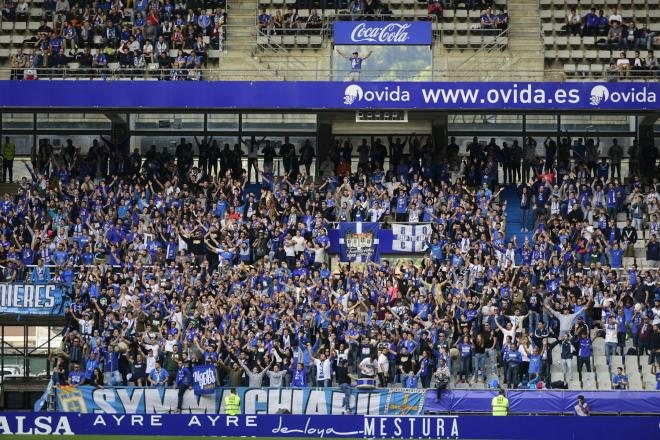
x=382, y=32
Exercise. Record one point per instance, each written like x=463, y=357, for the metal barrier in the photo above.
x=302, y=74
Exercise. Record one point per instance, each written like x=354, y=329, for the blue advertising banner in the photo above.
x=546, y=401
x=322, y=95
x=358, y=241
x=33, y=299
x=204, y=378
x=383, y=32
x=348, y=426
x=139, y=400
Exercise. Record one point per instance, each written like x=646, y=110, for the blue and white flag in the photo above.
x=33, y=299
x=204, y=378
x=358, y=242
x=410, y=238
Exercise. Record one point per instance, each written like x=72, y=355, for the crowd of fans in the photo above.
x=613, y=33
x=97, y=34
x=169, y=261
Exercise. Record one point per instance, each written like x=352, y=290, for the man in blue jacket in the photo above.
x=183, y=383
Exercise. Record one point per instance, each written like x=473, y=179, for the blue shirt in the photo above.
x=534, y=363
x=411, y=382
x=76, y=377
x=584, y=350
x=299, y=379
x=183, y=376
x=356, y=64
x=158, y=374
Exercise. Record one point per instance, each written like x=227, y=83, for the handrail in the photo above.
x=324, y=74
x=485, y=48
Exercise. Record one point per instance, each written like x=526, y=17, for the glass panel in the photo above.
x=463, y=141
x=278, y=164
x=222, y=122
x=13, y=351
x=279, y=122
x=485, y=122
x=23, y=148
x=541, y=123
x=17, y=121
x=164, y=121
x=83, y=142
x=37, y=350
x=85, y=121
x=382, y=63
x=590, y=122
x=162, y=142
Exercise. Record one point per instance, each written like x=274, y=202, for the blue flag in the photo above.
x=204, y=377
x=358, y=242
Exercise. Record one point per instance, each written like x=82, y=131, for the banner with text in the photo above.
x=358, y=242
x=33, y=299
x=204, y=379
x=310, y=95
x=383, y=32
x=121, y=400
x=410, y=238
x=343, y=426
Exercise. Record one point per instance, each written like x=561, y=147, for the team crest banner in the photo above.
x=358, y=242
x=405, y=402
x=410, y=238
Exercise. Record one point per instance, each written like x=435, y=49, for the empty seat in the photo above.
x=583, y=68
x=302, y=40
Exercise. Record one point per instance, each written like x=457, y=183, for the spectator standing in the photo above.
x=8, y=151
x=615, y=154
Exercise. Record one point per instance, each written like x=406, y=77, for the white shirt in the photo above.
x=367, y=367
x=323, y=369
x=86, y=326
x=610, y=332
x=383, y=363
x=298, y=243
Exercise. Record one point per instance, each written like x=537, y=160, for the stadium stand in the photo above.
x=82, y=39
x=576, y=35
x=185, y=257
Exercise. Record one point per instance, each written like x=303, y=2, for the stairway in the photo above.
x=513, y=216
x=241, y=27
x=525, y=38
x=244, y=60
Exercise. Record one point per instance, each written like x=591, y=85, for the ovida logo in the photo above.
x=354, y=93
x=601, y=94
x=389, y=33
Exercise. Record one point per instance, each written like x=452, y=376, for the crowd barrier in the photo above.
x=545, y=401
x=316, y=401
x=349, y=426
x=329, y=401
